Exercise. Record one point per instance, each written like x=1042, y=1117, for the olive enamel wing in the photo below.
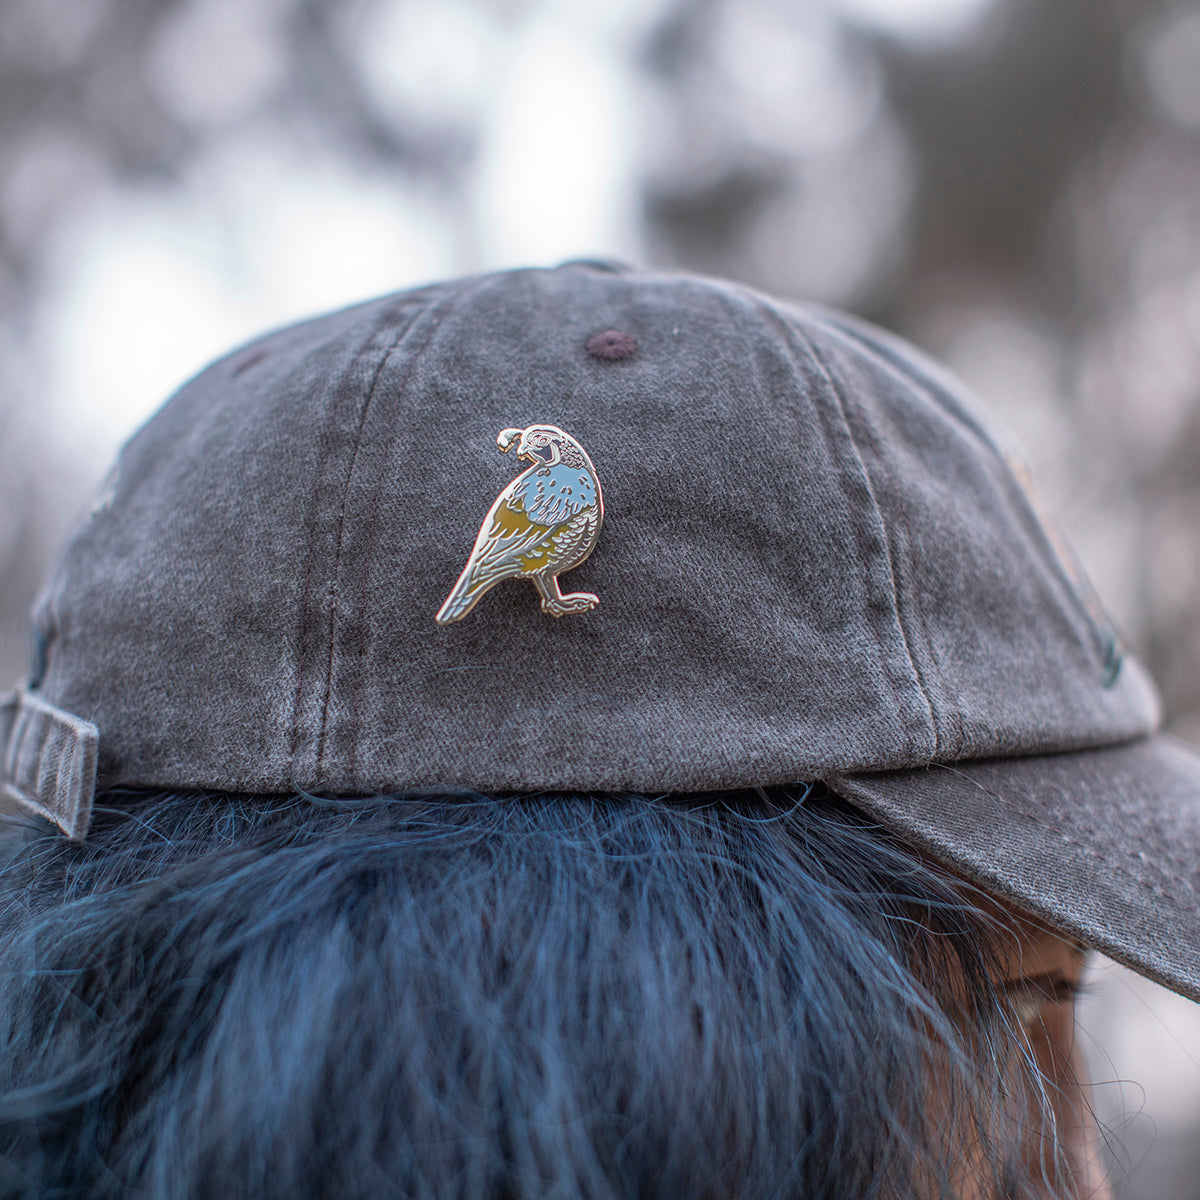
x=546, y=522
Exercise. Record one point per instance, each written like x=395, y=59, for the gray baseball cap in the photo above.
x=790, y=549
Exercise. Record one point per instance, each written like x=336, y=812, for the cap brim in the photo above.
x=1103, y=845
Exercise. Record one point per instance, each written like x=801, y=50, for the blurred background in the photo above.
x=1013, y=184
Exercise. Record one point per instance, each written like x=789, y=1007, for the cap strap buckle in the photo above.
x=48, y=761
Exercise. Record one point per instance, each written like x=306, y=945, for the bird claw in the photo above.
x=573, y=602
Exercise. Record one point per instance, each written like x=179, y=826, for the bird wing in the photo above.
x=508, y=535
x=573, y=541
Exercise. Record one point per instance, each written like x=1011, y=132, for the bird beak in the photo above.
x=506, y=438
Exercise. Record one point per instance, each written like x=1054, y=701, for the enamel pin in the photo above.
x=546, y=522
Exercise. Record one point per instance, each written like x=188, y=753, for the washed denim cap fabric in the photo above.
x=816, y=562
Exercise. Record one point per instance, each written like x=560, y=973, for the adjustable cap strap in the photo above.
x=48, y=761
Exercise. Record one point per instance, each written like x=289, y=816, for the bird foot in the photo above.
x=572, y=602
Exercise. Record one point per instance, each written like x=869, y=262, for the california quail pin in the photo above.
x=546, y=522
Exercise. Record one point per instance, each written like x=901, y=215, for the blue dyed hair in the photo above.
x=492, y=998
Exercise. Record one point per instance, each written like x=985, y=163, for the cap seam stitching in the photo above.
x=1036, y=524
x=787, y=332
x=952, y=706
x=843, y=407
x=311, y=540
x=373, y=523
x=925, y=375
x=322, y=725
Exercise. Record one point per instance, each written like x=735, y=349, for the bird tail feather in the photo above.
x=463, y=597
